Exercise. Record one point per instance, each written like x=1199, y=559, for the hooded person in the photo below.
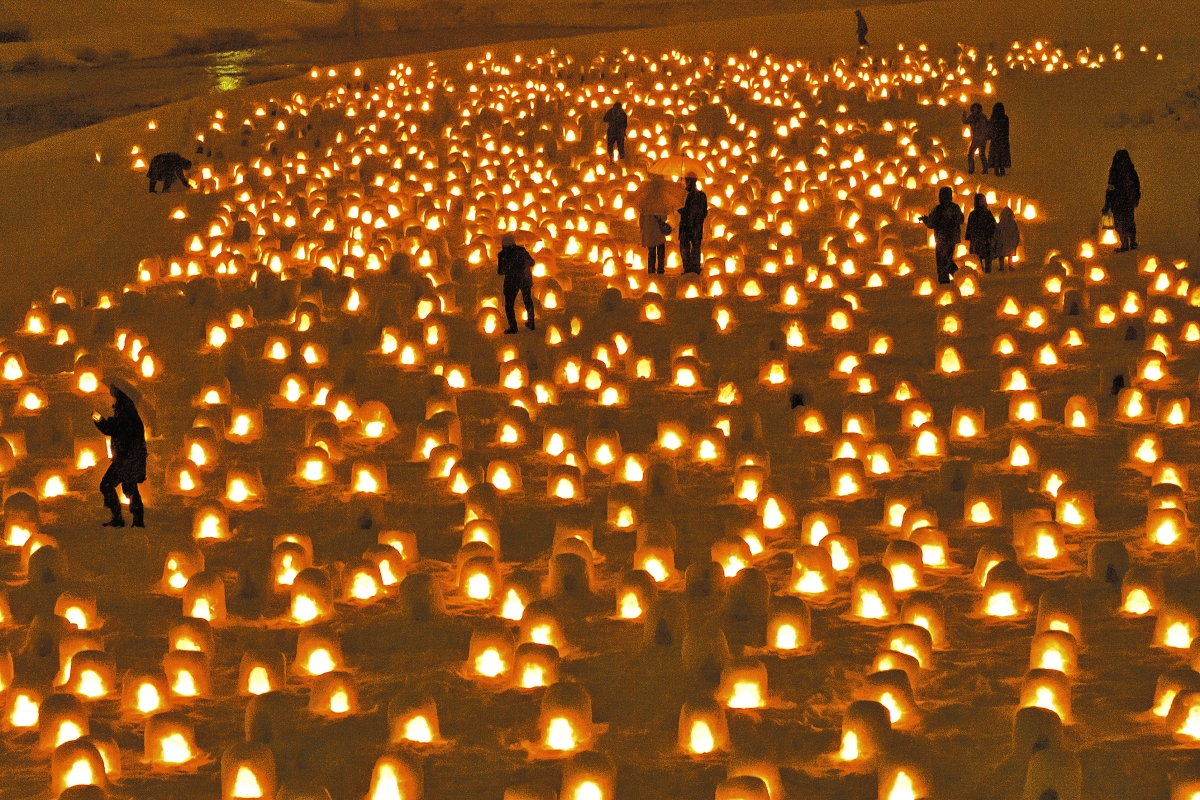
x=1007, y=238
x=516, y=265
x=981, y=230
x=127, y=435
x=862, y=28
x=946, y=221
x=1121, y=197
x=999, y=156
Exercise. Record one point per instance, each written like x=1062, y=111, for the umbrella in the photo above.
x=678, y=166
x=659, y=197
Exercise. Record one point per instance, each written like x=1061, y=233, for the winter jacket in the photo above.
x=999, y=155
x=128, y=437
x=1124, y=190
x=516, y=265
x=617, y=121
x=946, y=222
x=981, y=229
x=978, y=122
x=691, y=216
x=1007, y=237
x=652, y=235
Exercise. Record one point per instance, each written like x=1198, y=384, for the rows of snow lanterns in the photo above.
x=580, y=228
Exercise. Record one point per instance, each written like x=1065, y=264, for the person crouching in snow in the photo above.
x=128, y=468
x=981, y=230
x=516, y=265
x=977, y=121
x=946, y=221
x=1007, y=239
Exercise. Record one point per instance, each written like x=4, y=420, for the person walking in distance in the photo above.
x=691, y=225
x=516, y=265
x=862, y=28
x=618, y=123
x=1122, y=196
x=977, y=121
x=999, y=154
x=127, y=435
x=946, y=221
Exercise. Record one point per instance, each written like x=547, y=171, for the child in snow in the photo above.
x=1006, y=239
x=981, y=229
x=977, y=121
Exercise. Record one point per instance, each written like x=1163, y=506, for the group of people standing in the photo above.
x=655, y=229
x=989, y=239
x=989, y=139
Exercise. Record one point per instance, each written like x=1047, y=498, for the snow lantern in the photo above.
x=743, y=684
x=1169, y=685
x=1044, y=542
x=261, y=672
x=288, y=560
x=588, y=775
x=789, y=624
x=1004, y=591
x=490, y=656
x=245, y=426
x=478, y=572
x=1054, y=650
x=361, y=583
x=1176, y=627
x=1024, y=408
x=636, y=593
x=421, y=597
x=368, y=476
x=732, y=553
x=1049, y=689
x=541, y=624
x=396, y=776
x=247, y=771
x=187, y=674
x=1075, y=509
x=565, y=718
x=413, y=719
x=816, y=525
x=311, y=597
x=181, y=565
x=333, y=695
x=912, y=640
x=902, y=781
x=243, y=488
x=1053, y=772
x=61, y=718
x=191, y=634
x=564, y=482
x=536, y=665
x=1166, y=528
x=1141, y=591
x=904, y=561
x=93, y=675
x=317, y=653
x=866, y=729
x=1022, y=456
x=204, y=597
x=78, y=610
x=871, y=595
x=170, y=741
x=1080, y=414
x=748, y=481
x=76, y=763
x=1034, y=729
x=703, y=729
x=1060, y=610
x=812, y=572
x=843, y=552
x=893, y=690
x=313, y=467
x=928, y=441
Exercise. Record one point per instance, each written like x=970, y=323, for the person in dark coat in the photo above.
x=1122, y=196
x=1007, y=238
x=516, y=265
x=981, y=230
x=168, y=168
x=999, y=156
x=977, y=121
x=618, y=123
x=946, y=221
x=127, y=435
x=862, y=28
x=691, y=225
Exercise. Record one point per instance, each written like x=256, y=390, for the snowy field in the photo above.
x=941, y=479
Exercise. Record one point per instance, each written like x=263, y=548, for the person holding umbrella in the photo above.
x=691, y=225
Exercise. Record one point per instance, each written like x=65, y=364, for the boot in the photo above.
x=531, y=325
x=139, y=520
x=117, y=521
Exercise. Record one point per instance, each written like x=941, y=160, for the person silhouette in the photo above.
x=516, y=265
x=977, y=121
x=691, y=225
x=618, y=123
x=1122, y=196
x=981, y=230
x=946, y=221
x=999, y=156
x=128, y=468
x=1007, y=238
x=862, y=28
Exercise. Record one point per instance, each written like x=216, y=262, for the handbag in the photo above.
x=664, y=227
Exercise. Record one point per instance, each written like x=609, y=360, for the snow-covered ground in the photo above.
x=75, y=214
